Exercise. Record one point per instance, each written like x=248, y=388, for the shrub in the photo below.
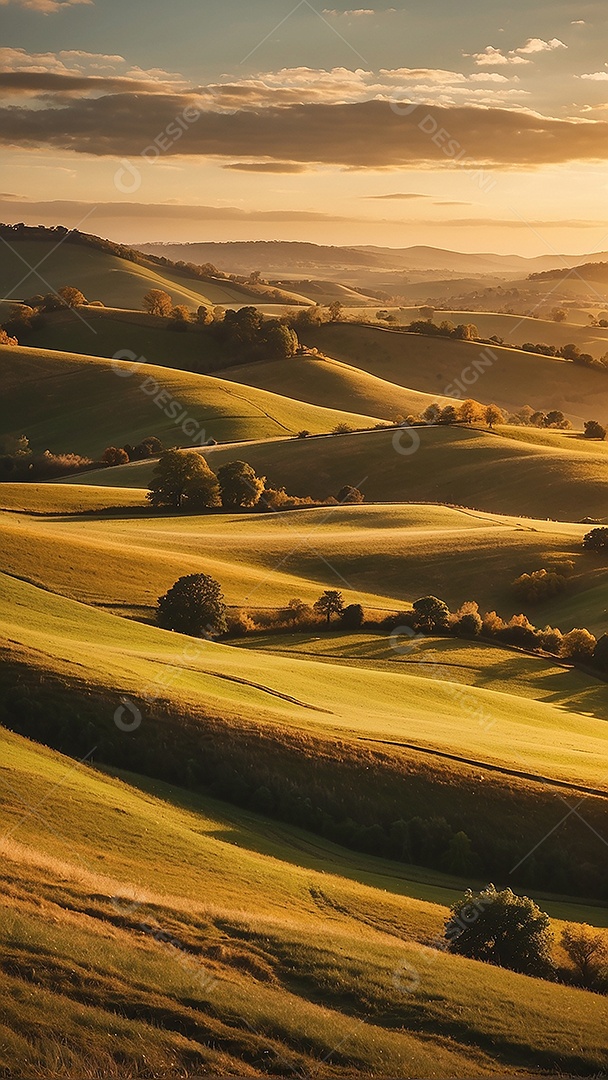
x=352, y=617
x=587, y=948
x=113, y=455
x=501, y=928
x=350, y=495
x=594, y=430
x=596, y=540
x=539, y=585
x=194, y=605
x=341, y=429
x=579, y=645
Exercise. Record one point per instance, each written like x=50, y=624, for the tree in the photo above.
x=6, y=339
x=588, y=951
x=194, y=605
x=71, y=297
x=330, y=603
x=179, y=317
x=335, y=310
x=204, y=315
x=352, y=617
x=181, y=475
x=448, y=415
x=501, y=928
x=556, y=419
x=350, y=495
x=559, y=314
x=493, y=415
x=239, y=485
x=594, y=430
x=600, y=654
x=466, y=332
x=470, y=412
x=280, y=340
x=158, y=302
x=578, y=644
x=115, y=456
x=432, y=413
x=431, y=614
x=596, y=540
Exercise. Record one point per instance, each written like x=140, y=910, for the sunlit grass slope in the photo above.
x=83, y=404
x=395, y=706
x=100, y=276
x=328, y=382
x=517, y=329
x=433, y=365
x=380, y=556
x=147, y=930
x=495, y=472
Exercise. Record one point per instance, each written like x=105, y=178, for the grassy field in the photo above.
x=328, y=382
x=250, y=949
x=434, y=365
x=476, y=723
x=100, y=276
x=380, y=556
x=496, y=472
x=517, y=329
x=82, y=404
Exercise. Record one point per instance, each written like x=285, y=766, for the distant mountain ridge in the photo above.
x=279, y=257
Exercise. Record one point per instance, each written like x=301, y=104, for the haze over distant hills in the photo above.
x=280, y=257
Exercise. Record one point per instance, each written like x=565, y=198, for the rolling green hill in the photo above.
x=382, y=556
x=82, y=404
x=324, y=381
x=517, y=329
x=248, y=951
x=495, y=472
x=114, y=281
x=508, y=377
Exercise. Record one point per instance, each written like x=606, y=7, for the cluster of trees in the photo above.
x=18, y=462
x=568, y=352
x=468, y=412
x=541, y=584
x=461, y=331
x=510, y=931
x=30, y=314
x=244, y=333
x=182, y=479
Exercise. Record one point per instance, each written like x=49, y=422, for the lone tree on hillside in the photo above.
x=195, y=606
x=239, y=485
x=594, y=430
x=348, y=495
x=501, y=928
x=596, y=540
x=158, y=302
x=183, y=476
x=431, y=614
x=330, y=603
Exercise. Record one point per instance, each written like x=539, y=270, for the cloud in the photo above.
x=45, y=7
x=492, y=57
x=366, y=134
x=74, y=69
x=266, y=166
x=537, y=45
x=400, y=195
x=596, y=76
x=66, y=210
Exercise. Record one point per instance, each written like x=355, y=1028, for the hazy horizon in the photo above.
x=478, y=131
